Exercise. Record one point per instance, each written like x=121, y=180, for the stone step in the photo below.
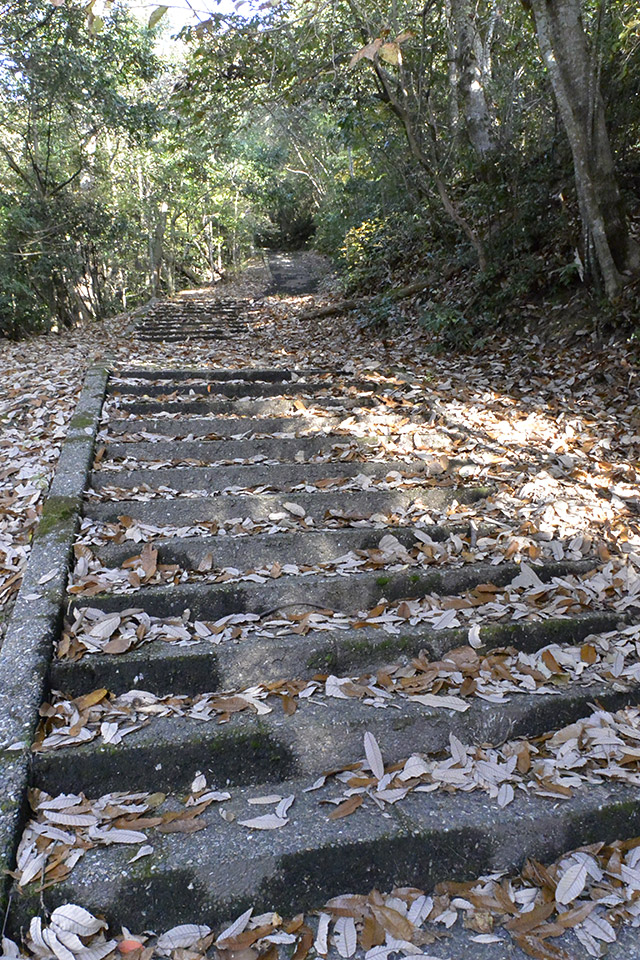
x=275, y=406
x=462, y=944
x=182, y=337
x=190, y=310
x=162, y=331
x=346, y=594
x=259, y=550
x=181, y=315
x=194, y=319
x=163, y=667
x=221, y=427
x=297, y=450
x=181, y=305
x=214, y=875
x=425, y=837
x=181, y=308
x=196, y=310
x=178, y=324
x=203, y=299
x=266, y=374
x=321, y=735
x=200, y=302
x=179, y=319
x=221, y=509
x=280, y=476
x=244, y=388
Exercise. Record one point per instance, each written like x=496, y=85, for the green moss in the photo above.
x=323, y=661
x=146, y=868
x=57, y=511
x=615, y=820
x=357, y=649
x=82, y=420
x=383, y=581
x=107, y=749
x=366, y=651
x=402, y=723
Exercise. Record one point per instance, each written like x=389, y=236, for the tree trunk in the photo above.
x=429, y=163
x=565, y=51
x=452, y=71
x=156, y=248
x=171, y=260
x=470, y=79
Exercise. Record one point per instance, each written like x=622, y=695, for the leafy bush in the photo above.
x=378, y=313
x=363, y=252
x=382, y=247
x=20, y=311
x=450, y=328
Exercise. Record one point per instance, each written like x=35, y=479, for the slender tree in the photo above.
x=608, y=246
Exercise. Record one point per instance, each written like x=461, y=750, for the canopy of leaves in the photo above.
x=398, y=140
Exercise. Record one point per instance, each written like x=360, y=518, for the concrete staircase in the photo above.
x=252, y=473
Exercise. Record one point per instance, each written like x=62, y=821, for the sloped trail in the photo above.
x=361, y=668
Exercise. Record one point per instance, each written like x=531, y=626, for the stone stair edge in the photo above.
x=212, y=601
x=227, y=869
x=204, y=666
x=320, y=735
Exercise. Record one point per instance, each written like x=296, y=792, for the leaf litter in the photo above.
x=91, y=576
x=63, y=828
x=614, y=586
x=452, y=682
x=557, y=437
x=582, y=899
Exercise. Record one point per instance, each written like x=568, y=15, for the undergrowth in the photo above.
x=535, y=268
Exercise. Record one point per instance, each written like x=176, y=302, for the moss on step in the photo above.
x=56, y=513
x=233, y=756
x=80, y=421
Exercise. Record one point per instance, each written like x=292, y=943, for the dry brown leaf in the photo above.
x=118, y=645
x=349, y=806
x=534, y=918
x=90, y=699
x=182, y=826
x=539, y=950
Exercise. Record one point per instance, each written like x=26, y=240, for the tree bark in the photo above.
x=156, y=248
x=565, y=51
x=470, y=80
x=452, y=70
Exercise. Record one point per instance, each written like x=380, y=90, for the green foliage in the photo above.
x=378, y=314
x=449, y=327
x=384, y=246
x=344, y=126
x=363, y=252
x=66, y=96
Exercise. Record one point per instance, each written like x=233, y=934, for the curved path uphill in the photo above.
x=294, y=665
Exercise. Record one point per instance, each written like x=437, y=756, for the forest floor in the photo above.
x=555, y=422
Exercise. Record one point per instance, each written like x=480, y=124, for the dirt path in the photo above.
x=297, y=272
